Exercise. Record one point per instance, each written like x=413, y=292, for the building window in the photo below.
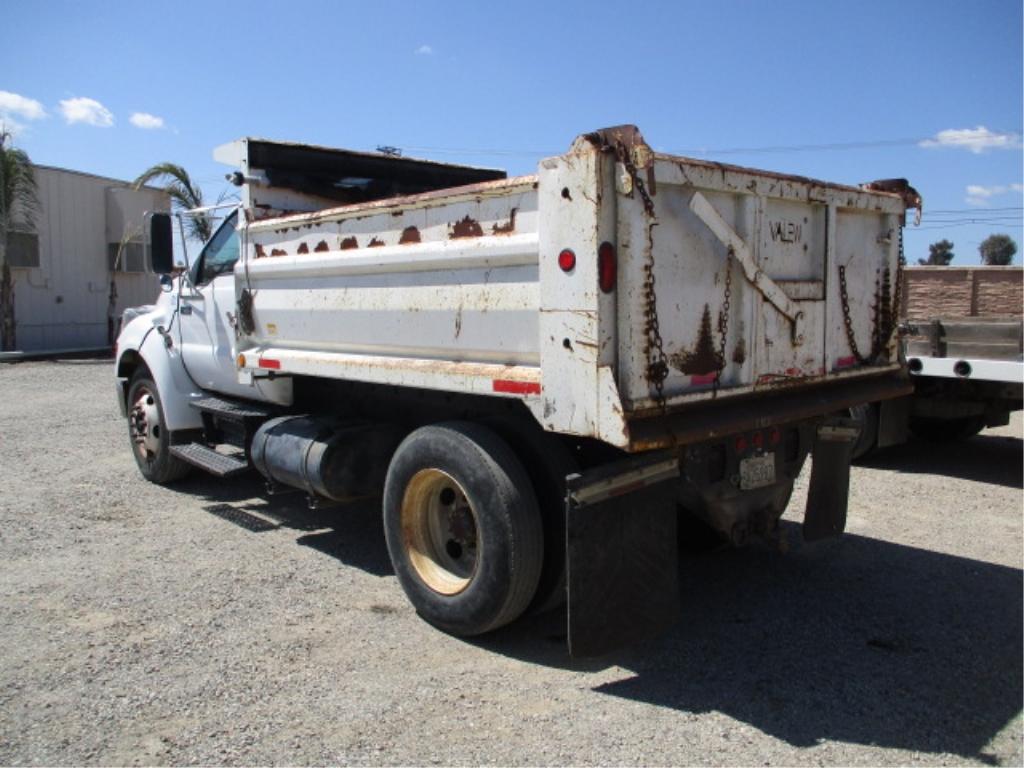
x=23, y=249
x=133, y=257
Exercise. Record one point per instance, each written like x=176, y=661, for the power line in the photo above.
x=972, y=210
x=829, y=146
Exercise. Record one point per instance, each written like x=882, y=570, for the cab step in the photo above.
x=234, y=410
x=206, y=458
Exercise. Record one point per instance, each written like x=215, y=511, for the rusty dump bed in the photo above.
x=634, y=297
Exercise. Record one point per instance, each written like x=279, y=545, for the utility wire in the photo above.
x=830, y=146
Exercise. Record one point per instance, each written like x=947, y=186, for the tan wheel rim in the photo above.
x=439, y=531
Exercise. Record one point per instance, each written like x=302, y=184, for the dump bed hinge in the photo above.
x=754, y=274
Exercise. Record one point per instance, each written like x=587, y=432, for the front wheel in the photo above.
x=462, y=527
x=150, y=440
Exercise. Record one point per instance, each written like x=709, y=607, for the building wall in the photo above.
x=948, y=292
x=64, y=302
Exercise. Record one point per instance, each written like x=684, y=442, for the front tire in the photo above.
x=150, y=440
x=462, y=527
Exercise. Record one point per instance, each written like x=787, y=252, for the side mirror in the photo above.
x=161, y=244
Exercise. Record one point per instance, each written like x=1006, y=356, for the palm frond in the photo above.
x=19, y=194
x=183, y=193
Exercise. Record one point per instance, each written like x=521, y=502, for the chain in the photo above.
x=723, y=322
x=847, y=321
x=897, y=300
x=657, y=360
x=893, y=310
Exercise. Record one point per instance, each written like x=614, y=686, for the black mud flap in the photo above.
x=829, y=492
x=621, y=553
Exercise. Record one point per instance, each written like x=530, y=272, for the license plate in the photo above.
x=757, y=471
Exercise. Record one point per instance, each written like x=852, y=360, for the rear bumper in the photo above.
x=707, y=420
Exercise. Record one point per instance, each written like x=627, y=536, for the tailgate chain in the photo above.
x=657, y=360
x=893, y=311
x=723, y=322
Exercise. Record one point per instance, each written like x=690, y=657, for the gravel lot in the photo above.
x=141, y=625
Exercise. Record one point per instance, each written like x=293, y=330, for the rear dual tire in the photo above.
x=462, y=526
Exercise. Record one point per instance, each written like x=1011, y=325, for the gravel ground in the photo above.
x=146, y=625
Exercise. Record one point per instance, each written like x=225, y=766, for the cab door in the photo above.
x=207, y=314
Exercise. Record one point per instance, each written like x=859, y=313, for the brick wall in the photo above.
x=948, y=292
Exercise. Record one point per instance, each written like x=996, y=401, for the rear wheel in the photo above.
x=150, y=440
x=462, y=527
x=866, y=416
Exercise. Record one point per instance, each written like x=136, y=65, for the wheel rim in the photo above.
x=439, y=530
x=144, y=425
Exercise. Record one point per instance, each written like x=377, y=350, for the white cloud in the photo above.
x=976, y=140
x=22, y=106
x=981, y=195
x=146, y=121
x=88, y=111
x=424, y=50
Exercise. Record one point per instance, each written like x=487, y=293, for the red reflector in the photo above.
x=516, y=387
x=273, y=365
x=846, y=362
x=567, y=260
x=741, y=444
x=758, y=440
x=776, y=436
x=607, y=267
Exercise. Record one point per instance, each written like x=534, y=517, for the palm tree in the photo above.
x=184, y=194
x=19, y=207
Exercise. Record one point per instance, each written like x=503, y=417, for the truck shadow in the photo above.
x=351, y=533
x=858, y=641
x=994, y=459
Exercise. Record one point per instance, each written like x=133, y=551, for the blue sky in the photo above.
x=113, y=87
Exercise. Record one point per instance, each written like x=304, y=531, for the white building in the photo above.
x=63, y=271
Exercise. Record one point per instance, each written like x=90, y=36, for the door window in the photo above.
x=220, y=254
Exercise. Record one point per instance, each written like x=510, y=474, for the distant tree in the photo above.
x=19, y=207
x=997, y=250
x=939, y=254
x=184, y=194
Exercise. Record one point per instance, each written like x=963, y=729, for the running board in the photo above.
x=233, y=410
x=215, y=463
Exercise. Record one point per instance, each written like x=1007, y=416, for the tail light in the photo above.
x=567, y=260
x=607, y=267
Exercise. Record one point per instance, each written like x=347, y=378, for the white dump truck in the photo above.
x=537, y=374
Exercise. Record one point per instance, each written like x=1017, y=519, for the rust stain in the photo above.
x=508, y=227
x=260, y=253
x=703, y=359
x=349, y=243
x=321, y=247
x=739, y=352
x=278, y=252
x=375, y=243
x=409, y=235
x=467, y=227
x=303, y=248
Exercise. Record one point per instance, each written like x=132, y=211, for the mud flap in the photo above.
x=621, y=553
x=829, y=492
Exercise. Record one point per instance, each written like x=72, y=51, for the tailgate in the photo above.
x=739, y=280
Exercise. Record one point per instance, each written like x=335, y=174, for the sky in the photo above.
x=848, y=92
